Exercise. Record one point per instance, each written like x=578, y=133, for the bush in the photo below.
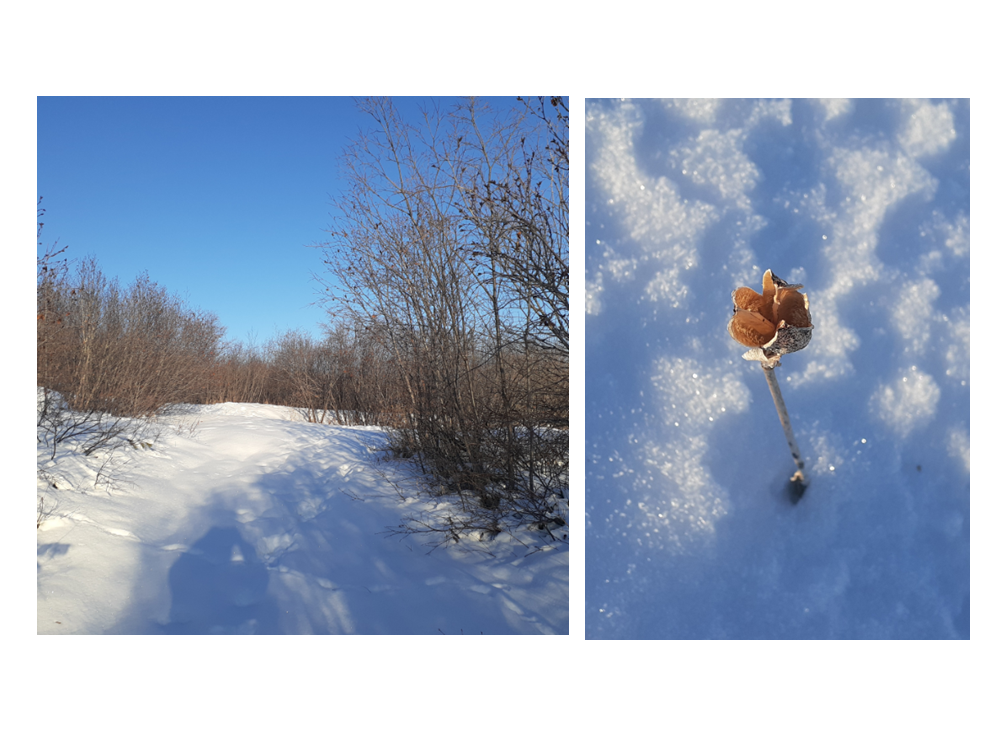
x=124, y=352
x=108, y=358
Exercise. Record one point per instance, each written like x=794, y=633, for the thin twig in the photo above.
x=799, y=479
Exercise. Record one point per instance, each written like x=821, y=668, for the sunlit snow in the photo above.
x=690, y=530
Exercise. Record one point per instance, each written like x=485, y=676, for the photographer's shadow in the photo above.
x=219, y=586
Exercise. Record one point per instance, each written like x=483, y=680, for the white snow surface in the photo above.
x=690, y=532
x=245, y=519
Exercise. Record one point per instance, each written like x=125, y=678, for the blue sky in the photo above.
x=220, y=199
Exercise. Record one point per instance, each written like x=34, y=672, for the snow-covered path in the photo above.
x=262, y=523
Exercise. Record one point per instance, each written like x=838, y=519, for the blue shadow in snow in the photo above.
x=219, y=586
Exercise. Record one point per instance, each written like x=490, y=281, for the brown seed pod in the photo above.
x=751, y=328
x=746, y=299
x=777, y=322
x=772, y=324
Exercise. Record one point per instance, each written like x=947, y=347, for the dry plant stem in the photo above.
x=799, y=476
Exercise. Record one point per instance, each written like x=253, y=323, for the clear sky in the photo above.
x=220, y=199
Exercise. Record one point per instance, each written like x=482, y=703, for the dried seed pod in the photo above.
x=746, y=299
x=774, y=324
x=771, y=325
x=751, y=328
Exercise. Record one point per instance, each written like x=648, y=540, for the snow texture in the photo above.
x=244, y=519
x=690, y=533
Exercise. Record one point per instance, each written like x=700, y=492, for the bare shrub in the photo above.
x=124, y=352
x=109, y=359
x=453, y=255
x=309, y=373
x=240, y=374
